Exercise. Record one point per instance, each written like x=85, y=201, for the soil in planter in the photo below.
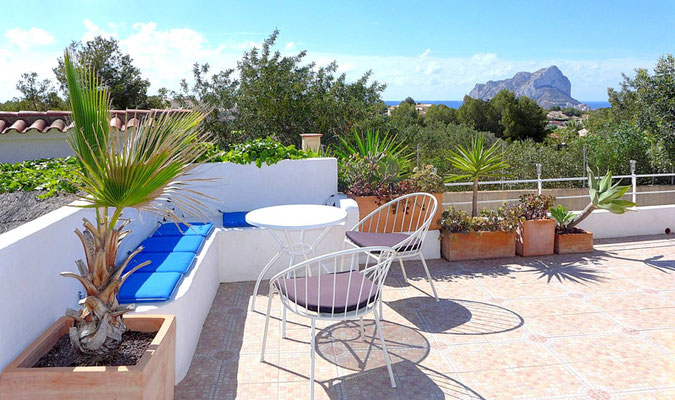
x=568, y=231
x=132, y=348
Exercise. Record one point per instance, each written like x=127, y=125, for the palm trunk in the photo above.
x=585, y=213
x=98, y=325
x=474, y=200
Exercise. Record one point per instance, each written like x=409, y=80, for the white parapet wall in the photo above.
x=649, y=220
x=234, y=187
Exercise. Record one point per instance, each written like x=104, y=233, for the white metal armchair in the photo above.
x=401, y=224
x=334, y=287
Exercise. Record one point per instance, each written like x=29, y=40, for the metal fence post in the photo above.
x=538, y=178
x=418, y=156
x=583, y=172
x=633, y=180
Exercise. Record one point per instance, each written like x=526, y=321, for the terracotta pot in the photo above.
x=477, y=245
x=535, y=237
x=569, y=243
x=151, y=378
x=368, y=204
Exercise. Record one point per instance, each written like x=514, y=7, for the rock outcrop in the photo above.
x=547, y=86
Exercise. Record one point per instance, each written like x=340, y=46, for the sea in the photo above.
x=456, y=103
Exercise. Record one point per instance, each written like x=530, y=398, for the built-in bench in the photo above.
x=171, y=250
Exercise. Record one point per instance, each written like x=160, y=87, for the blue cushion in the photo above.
x=195, y=229
x=163, y=262
x=143, y=287
x=168, y=244
x=235, y=219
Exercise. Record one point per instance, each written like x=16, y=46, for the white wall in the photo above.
x=18, y=147
x=246, y=187
x=32, y=293
x=649, y=220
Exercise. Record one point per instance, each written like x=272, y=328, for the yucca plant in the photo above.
x=477, y=163
x=603, y=195
x=140, y=169
x=371, y=144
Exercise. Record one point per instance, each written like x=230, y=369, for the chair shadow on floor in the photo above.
x=413, y=382
x=407, y=348
x=457, y=316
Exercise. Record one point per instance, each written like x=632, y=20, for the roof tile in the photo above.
x=59, y=121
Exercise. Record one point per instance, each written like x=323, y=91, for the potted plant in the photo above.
x=489, y=235
x=604, y=195
x=536, y=231
x=477, y=163
x=375, y=169
x=569, y=240
x=113, y=355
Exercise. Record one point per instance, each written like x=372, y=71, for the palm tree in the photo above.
x=138, y=169
x=477, y=163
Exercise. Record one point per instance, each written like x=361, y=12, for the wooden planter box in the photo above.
x=477, y=245
x=535, y=237
x=151, y=378
x=368, y=204
x=569, y=243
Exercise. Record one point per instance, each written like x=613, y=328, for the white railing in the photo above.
x=540, y=181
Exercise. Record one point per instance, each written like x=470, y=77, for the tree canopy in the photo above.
x=505, y=115
x=440, y=113
x=115, y=70
x=283, y=97
x=36, y=95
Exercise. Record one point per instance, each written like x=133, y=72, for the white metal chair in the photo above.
x=401, y=224
x=334, y=287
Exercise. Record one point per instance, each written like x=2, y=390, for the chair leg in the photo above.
x=363, y=335
x=312, y=356
x=381, y=314
x=405, y=276
x=283, y=323
x=267, y=324
x=384, y=349
x=431, y=282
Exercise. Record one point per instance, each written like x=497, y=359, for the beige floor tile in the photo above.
x=575, y=327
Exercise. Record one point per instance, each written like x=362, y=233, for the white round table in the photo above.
x=281, y=221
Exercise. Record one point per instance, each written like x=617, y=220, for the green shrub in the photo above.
x=260, y=151
x=48, y=175
x=533, y=206
x=457, y=221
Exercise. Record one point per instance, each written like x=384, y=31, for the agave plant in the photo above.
x=603, y=195
x=138, y=169
x=476, y=163
x=561, y=215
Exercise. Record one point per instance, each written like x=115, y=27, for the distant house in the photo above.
x=420, y=107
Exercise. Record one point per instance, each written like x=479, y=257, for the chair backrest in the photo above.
x=412, y=213
x=335, y=285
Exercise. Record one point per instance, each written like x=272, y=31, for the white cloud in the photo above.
x=28, y=38
x=428, y=77
x=94, y=30
x=289, y=46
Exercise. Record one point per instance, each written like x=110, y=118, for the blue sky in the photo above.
x=433, y=50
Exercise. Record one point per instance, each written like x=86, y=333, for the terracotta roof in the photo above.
x=60, y=121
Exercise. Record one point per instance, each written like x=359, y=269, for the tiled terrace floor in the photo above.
x=596, y=326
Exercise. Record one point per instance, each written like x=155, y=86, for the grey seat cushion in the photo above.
x=348, y=296
x=365, y=239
